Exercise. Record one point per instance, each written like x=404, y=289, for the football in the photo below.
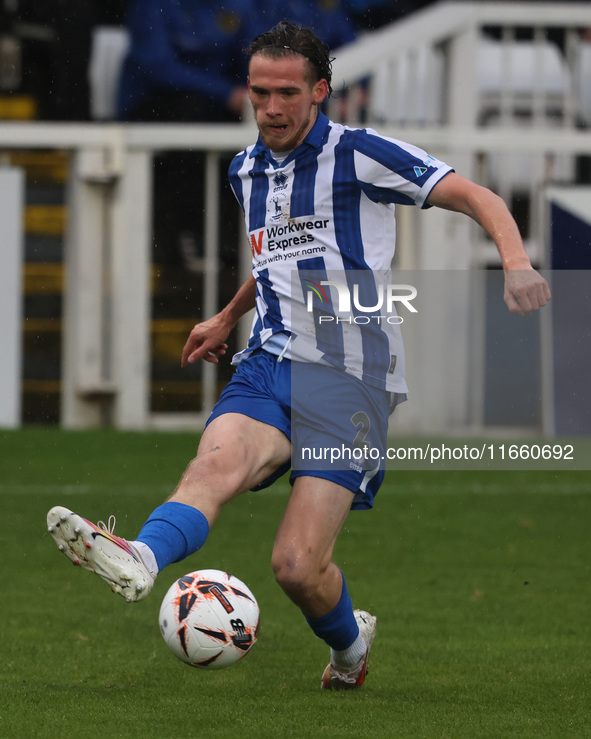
x=209, y=619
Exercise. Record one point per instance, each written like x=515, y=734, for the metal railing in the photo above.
x=452, y=62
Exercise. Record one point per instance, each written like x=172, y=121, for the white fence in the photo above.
x=11, y=204
x=106, y=351
x=451, y=62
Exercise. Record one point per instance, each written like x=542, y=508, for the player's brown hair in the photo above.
x=285, y=39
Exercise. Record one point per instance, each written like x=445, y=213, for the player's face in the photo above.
x=284, y=102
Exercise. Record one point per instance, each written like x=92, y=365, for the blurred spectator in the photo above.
x=329, y=19
x=185, y=64
x=185, y=60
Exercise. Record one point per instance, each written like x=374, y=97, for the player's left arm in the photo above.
x=525, y=289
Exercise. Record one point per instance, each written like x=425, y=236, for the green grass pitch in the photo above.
x=480, y=582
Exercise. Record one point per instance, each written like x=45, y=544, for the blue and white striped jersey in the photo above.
x=321, y=229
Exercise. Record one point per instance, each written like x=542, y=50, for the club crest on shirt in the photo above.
x=278, y=207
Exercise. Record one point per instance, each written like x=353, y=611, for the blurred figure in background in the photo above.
x=329, y=19
x=185, y=64
x=185, y=61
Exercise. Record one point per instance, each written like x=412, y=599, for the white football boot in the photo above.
x=97, y=549
x=337, y=678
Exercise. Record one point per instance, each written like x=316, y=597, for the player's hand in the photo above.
x=206, y=341
x=525, y=291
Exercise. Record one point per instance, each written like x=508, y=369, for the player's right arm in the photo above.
x=525, y=289
x=207, y=340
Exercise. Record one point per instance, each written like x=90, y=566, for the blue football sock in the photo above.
x=338, y=628
x=174, y=531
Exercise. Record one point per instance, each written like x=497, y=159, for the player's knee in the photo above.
x=297, y=577
x=211, y=472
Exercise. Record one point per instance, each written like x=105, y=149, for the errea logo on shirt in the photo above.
x=279, y=181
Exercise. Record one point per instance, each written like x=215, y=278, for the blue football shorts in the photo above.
x=336, y=423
